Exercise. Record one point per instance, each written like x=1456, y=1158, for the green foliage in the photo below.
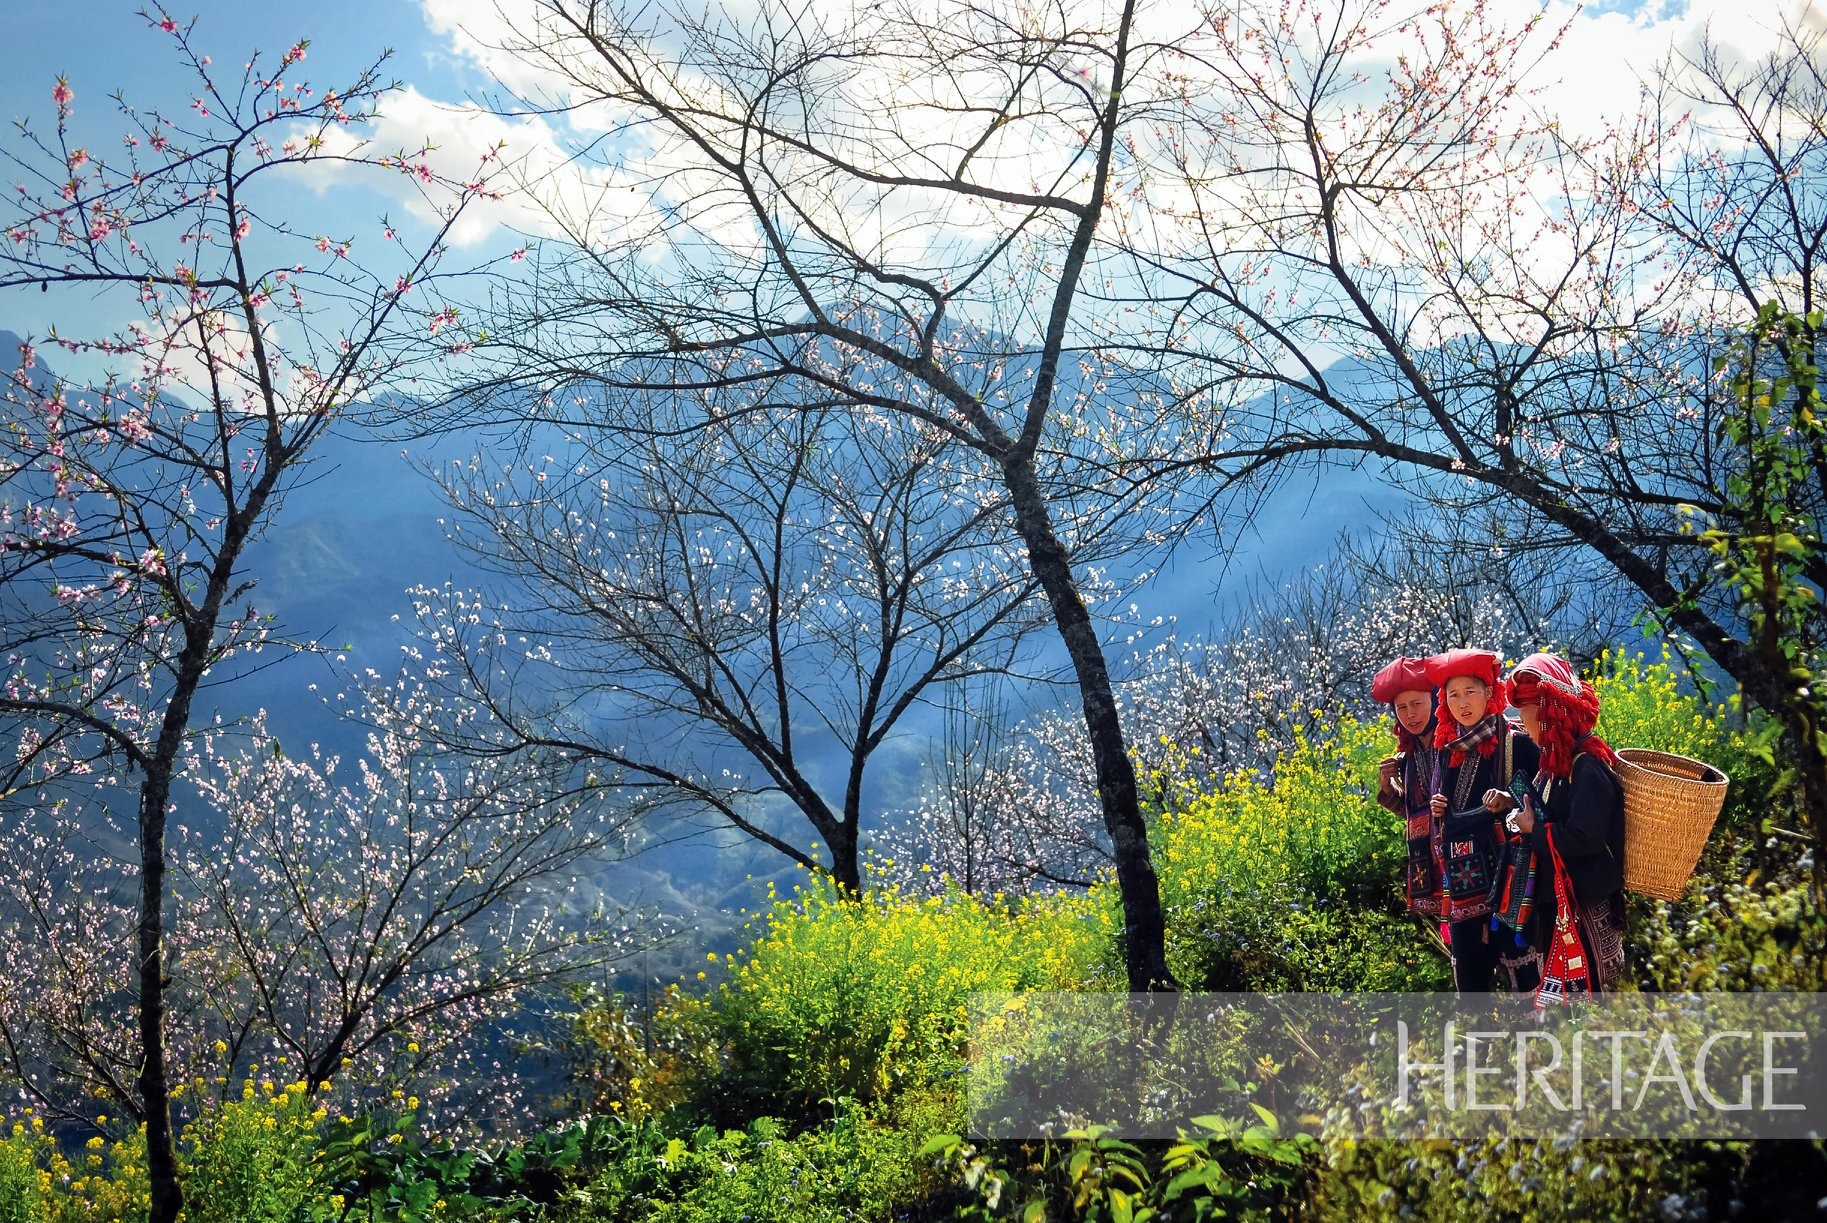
x=1768, y=553
x=845, y=1168
x=1530, y=1181
x=1294, y=881
x=862, y=998
x=253, y=1160
x=1219, y=1169
x=617, y=1061
x=1733, y=932
x=106, y=1183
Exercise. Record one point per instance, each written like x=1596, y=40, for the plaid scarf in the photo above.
x=1477, y=736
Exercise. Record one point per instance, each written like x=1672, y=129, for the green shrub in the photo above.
x=106, y=1183
x=1643, y=704
x=1219, y=1169
x=1532, y=1181
x=618, y=1062
x=1731, y=932
x=1294, y=881
x=253, y=1160
x=863, y=998
x=846, y=1168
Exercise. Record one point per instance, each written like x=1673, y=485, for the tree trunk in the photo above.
x=1802, y=730
x=843, y=863
x=155, y=1091
x=1144, y=923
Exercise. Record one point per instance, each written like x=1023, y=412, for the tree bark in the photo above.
x=1144, y=923
x=843, y=862
x=155, y=1091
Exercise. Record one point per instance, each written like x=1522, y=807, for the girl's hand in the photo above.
x=1388, y=779
x=1525, y=819
x=1498, y=801
x=1439, y=806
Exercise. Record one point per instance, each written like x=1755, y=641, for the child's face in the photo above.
x=1468, y=698
x=1531, y=721
x=1413, y=709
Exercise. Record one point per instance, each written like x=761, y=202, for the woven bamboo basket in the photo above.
x=1670, y=804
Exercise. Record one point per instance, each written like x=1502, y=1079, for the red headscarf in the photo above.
x=1405, y=674
x=1568, y=708
x=1479, y=664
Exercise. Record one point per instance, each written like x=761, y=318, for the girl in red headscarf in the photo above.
x=1403, y=778
x=1479, y=751
x=1577, y=834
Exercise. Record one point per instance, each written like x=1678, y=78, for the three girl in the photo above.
x=1472, y=847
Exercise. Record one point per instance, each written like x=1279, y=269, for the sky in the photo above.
x=441, y=56
x=438, y=56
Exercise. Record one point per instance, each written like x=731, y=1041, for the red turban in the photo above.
x=1567, y=707
x=1403, y=675
x=1479, y=664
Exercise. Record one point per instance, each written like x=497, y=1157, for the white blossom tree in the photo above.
x=228, y=337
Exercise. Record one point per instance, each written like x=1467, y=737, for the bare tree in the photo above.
x=132, y=499
x=724, y=592
x=893, y=208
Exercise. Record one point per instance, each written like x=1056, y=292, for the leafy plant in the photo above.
x=1218, y=1168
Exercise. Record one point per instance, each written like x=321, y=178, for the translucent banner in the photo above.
x=1401, y=1065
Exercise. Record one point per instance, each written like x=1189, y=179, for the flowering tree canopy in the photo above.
x=221, y=342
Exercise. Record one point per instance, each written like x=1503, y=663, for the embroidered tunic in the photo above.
x=1586, y=812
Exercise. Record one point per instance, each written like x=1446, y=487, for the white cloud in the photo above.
x=634, y=183
x=460, y=137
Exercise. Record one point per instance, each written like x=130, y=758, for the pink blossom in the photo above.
x=169, y=26
x=78, y=157
x=28, y=356
x=62, y=93
x=518, y=255
x=323, y=244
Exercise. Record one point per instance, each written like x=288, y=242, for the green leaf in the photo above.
x=937, y=1143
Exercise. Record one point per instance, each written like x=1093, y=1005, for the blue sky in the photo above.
x=104, y=47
